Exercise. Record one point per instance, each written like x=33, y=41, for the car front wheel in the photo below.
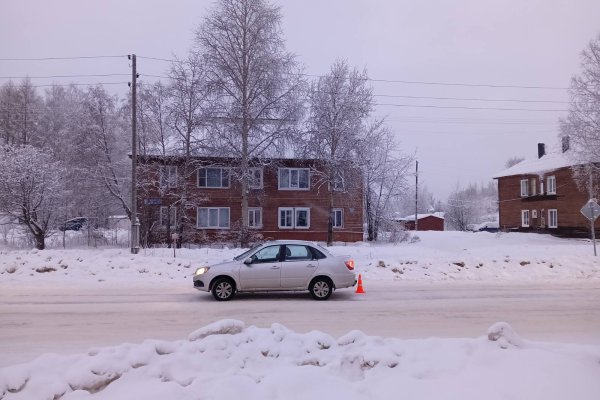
x=223, y=289
x=321, y=288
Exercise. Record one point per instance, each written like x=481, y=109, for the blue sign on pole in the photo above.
x=153, y=202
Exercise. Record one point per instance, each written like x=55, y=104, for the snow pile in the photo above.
x=437, y=256
x=227, y=360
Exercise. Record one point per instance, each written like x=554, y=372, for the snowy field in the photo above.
x=437, y=256
x=231, y=359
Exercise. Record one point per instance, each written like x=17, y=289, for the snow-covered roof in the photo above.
x=549, y=162
x=438, y=214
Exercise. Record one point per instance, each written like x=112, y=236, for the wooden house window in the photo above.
x=213, y=218
x=524, y=188
x=551, y=184
x=168, y=176
x=338, y=217
x=255, y=217
x=294, y=178
x=256, y=178
x=213, y=177
x=552, y=218
x=167, y=217
x=294, y=217
x=525, y=218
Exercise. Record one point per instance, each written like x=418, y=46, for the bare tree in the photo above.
x=340, y=104
x=255, y=82
x=20, y=107
x=31, y=189
x=580, y=130
x=513, y=161
x=385, y=170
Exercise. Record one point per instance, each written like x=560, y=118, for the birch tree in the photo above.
x=340, y=104
x=31, y=189
x=580, y=130
x=256, y=85
x=385, y=170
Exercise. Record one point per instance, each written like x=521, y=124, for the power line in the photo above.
x=61, y=58
x=60, y=76
x=471, y=99
x=466, y=108
x=73, y=84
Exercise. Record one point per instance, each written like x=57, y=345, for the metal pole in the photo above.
x=592, y=220
x=416, y=195
x=134, y=223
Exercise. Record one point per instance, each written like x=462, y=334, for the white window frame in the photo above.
x=173, y=216
x=206, y=178
x=298, y=209
x=553, y=222
x=285, y=209
x=218, y=226
x=525, y=221
x=339, y=183
x=168, y=176
x=252, y=213
x=533, y=186
x=253, y=171
x=341, y=213
x=551, y=184
x=294, y=217
x=290, y=185
x=533, y=213
x=524, y=187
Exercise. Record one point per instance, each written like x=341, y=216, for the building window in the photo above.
x=255, y=217
x=552, y=218
x=290, y=218
x=213, y=218
x=524, y=188
x=294, y=178
x=164, y=219
x=213, y=177
x=525, y=218
x=551, y=184
x=338, y=217
x=256, y=178
x=168, y=176
x=338, y=181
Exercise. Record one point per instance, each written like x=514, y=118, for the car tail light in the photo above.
x=350, y=265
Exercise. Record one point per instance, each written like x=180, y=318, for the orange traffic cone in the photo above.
x=359, y=288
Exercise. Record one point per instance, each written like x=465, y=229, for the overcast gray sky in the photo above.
x=473, y=42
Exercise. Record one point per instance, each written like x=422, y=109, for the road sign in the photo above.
x=153, y=201
x=591, y=210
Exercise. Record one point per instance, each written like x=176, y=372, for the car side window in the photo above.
x=268, y=254
x=317, y=254
x=296, y=252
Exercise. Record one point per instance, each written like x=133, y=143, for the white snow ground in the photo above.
x=228, y=359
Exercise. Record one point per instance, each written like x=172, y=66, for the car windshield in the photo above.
x=245, y=254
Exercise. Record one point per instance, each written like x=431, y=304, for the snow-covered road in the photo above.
x=38, y=318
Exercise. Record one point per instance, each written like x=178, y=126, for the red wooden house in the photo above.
x=425, y=222
x=540, y=195
x=287, y=199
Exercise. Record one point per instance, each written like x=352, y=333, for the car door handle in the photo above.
x=275, y=267
x=311, y=266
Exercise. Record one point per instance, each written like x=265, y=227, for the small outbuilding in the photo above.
x=425, y=222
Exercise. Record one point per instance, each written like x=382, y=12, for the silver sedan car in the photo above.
x=276, y=266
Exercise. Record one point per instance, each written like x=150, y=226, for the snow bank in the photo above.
x=227, y=360
x=438, y=256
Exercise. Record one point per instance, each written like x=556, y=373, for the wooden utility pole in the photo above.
x=416, y=195
x=135, y=226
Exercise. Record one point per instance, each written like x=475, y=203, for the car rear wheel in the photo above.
x=223, y=289
x=321, y=288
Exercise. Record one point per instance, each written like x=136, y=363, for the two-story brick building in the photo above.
x=540, y=195
x=287, y=199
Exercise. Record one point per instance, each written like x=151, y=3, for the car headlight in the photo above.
x=202, y=271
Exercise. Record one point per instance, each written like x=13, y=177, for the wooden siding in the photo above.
x=568, y=201
x=270, y=198
x=429, y=223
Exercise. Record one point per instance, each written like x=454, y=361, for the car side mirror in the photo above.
x=248, y=261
